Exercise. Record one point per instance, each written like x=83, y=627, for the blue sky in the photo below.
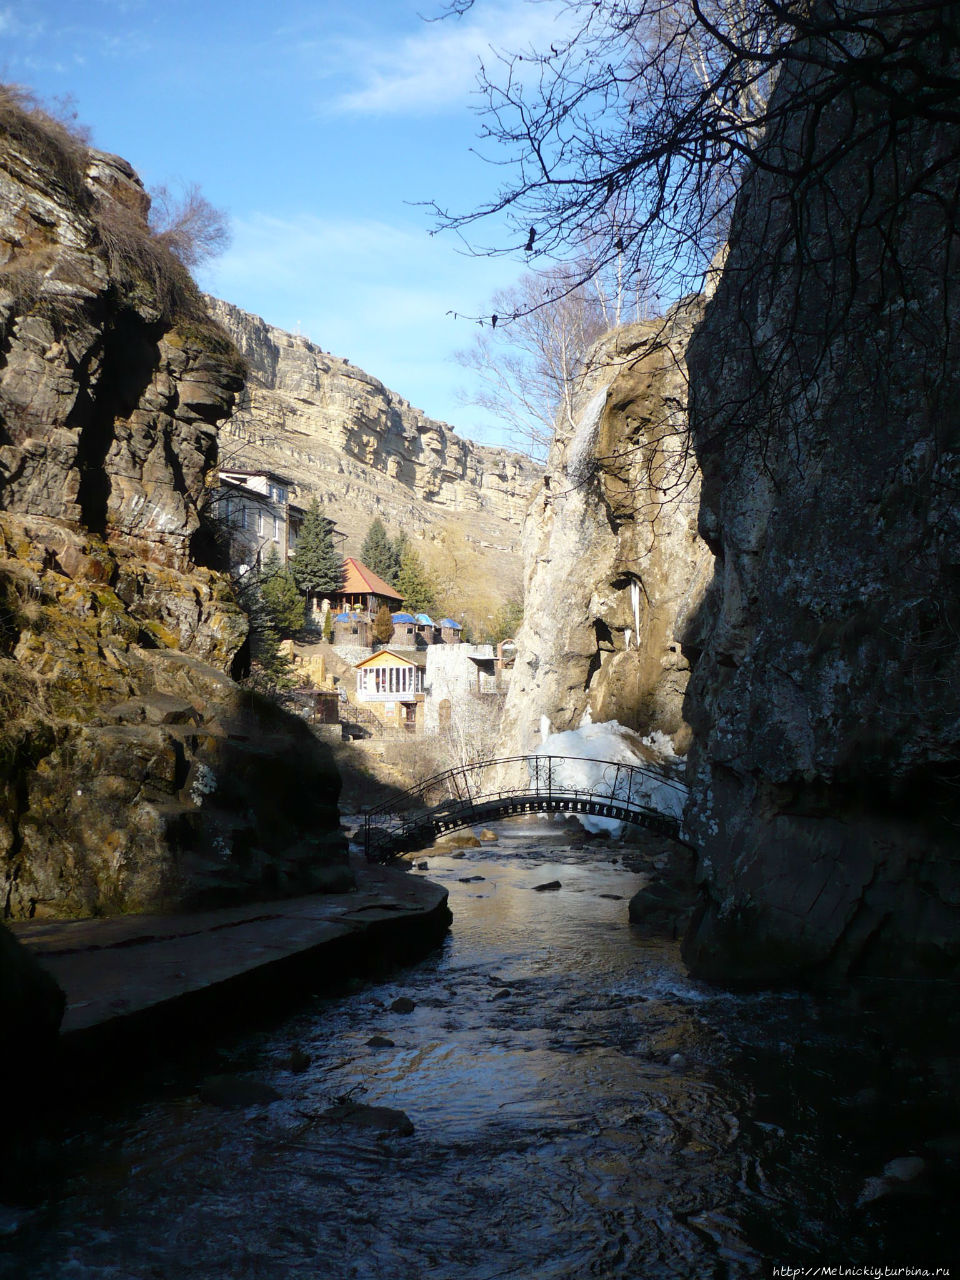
x=317, y=126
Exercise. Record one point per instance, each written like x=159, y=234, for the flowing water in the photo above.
x=581, y=1108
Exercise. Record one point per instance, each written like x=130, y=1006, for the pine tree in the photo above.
x=506, y=623
x=270, y=670
x=383, y=626
x=414, y=585
x=282, y=600
x=316, y=564
x=377, y=551
x=398, y=547
x=272, y=564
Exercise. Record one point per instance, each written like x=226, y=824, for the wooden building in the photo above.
x=363, y=591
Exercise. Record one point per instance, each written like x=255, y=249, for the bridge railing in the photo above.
x=465, y=793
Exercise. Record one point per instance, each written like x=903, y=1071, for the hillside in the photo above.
x=363, y=451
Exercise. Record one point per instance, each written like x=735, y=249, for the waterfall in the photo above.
x=580, y=448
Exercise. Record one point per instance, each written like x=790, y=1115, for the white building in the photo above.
x=255, y=508
x=457, y=674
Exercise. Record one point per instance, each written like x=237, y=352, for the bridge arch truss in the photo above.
x=519, y=785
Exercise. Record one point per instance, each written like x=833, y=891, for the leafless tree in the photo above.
x=531, y=361
x=188, y=225
x=635, y=129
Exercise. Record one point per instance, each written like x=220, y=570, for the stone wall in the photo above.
x=453, y=677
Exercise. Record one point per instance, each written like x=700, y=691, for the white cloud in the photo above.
x=14, y=27
x=438, y=65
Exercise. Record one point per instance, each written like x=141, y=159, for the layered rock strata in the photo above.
x=615, y=567
x=826, y=419
x=363, y=451
x=134, y=774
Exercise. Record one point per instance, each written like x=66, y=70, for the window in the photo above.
x=259, y=522
x=277, y=525
x=243, y=517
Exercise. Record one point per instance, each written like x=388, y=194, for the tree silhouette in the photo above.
x=634, y=131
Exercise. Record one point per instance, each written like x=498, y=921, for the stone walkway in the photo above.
x=131, y=975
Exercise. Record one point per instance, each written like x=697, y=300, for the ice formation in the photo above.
x=580, y=448
x=590, y=749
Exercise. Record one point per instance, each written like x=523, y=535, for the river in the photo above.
x=581, y=1109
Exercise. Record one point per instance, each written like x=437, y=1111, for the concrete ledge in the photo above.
x=138, y=986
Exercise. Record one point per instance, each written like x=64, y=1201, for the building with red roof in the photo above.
x=363, y=590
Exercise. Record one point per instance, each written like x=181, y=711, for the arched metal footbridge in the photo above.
x=518, y=785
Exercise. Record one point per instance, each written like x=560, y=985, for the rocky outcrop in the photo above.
x=615, y=567
x=826, y=419
x=343, y=437
x=134, y=774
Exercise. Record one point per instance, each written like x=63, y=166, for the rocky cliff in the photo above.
x=615, y=567
x=826, y=419
x=342, y=436
x=133, y=772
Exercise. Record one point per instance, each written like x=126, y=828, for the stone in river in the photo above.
x=360, y=1116
x=381, y=1042
x=502, y=994
x=229, y=1091
x=298, y=1060
x=489, y=837
x=471, y=879
x=901, y=1177
x=550, y=884
x=403, y=1004
x=461, y=839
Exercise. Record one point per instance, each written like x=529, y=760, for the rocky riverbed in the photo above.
x=548, y=1095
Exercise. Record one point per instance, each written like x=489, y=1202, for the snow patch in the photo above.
x=590, y=751
x=662, y=744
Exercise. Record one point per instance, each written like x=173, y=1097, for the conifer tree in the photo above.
x=271, y=564
x=377, y=551
x=414, y=585
x=282, y=600
x=383, y=626
x=316, y=564
x=270, y=670
x=398, y=547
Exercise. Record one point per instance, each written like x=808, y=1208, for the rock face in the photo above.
x=615, y=567
x=134, y=774
x=826, y=419
x=363, y=451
